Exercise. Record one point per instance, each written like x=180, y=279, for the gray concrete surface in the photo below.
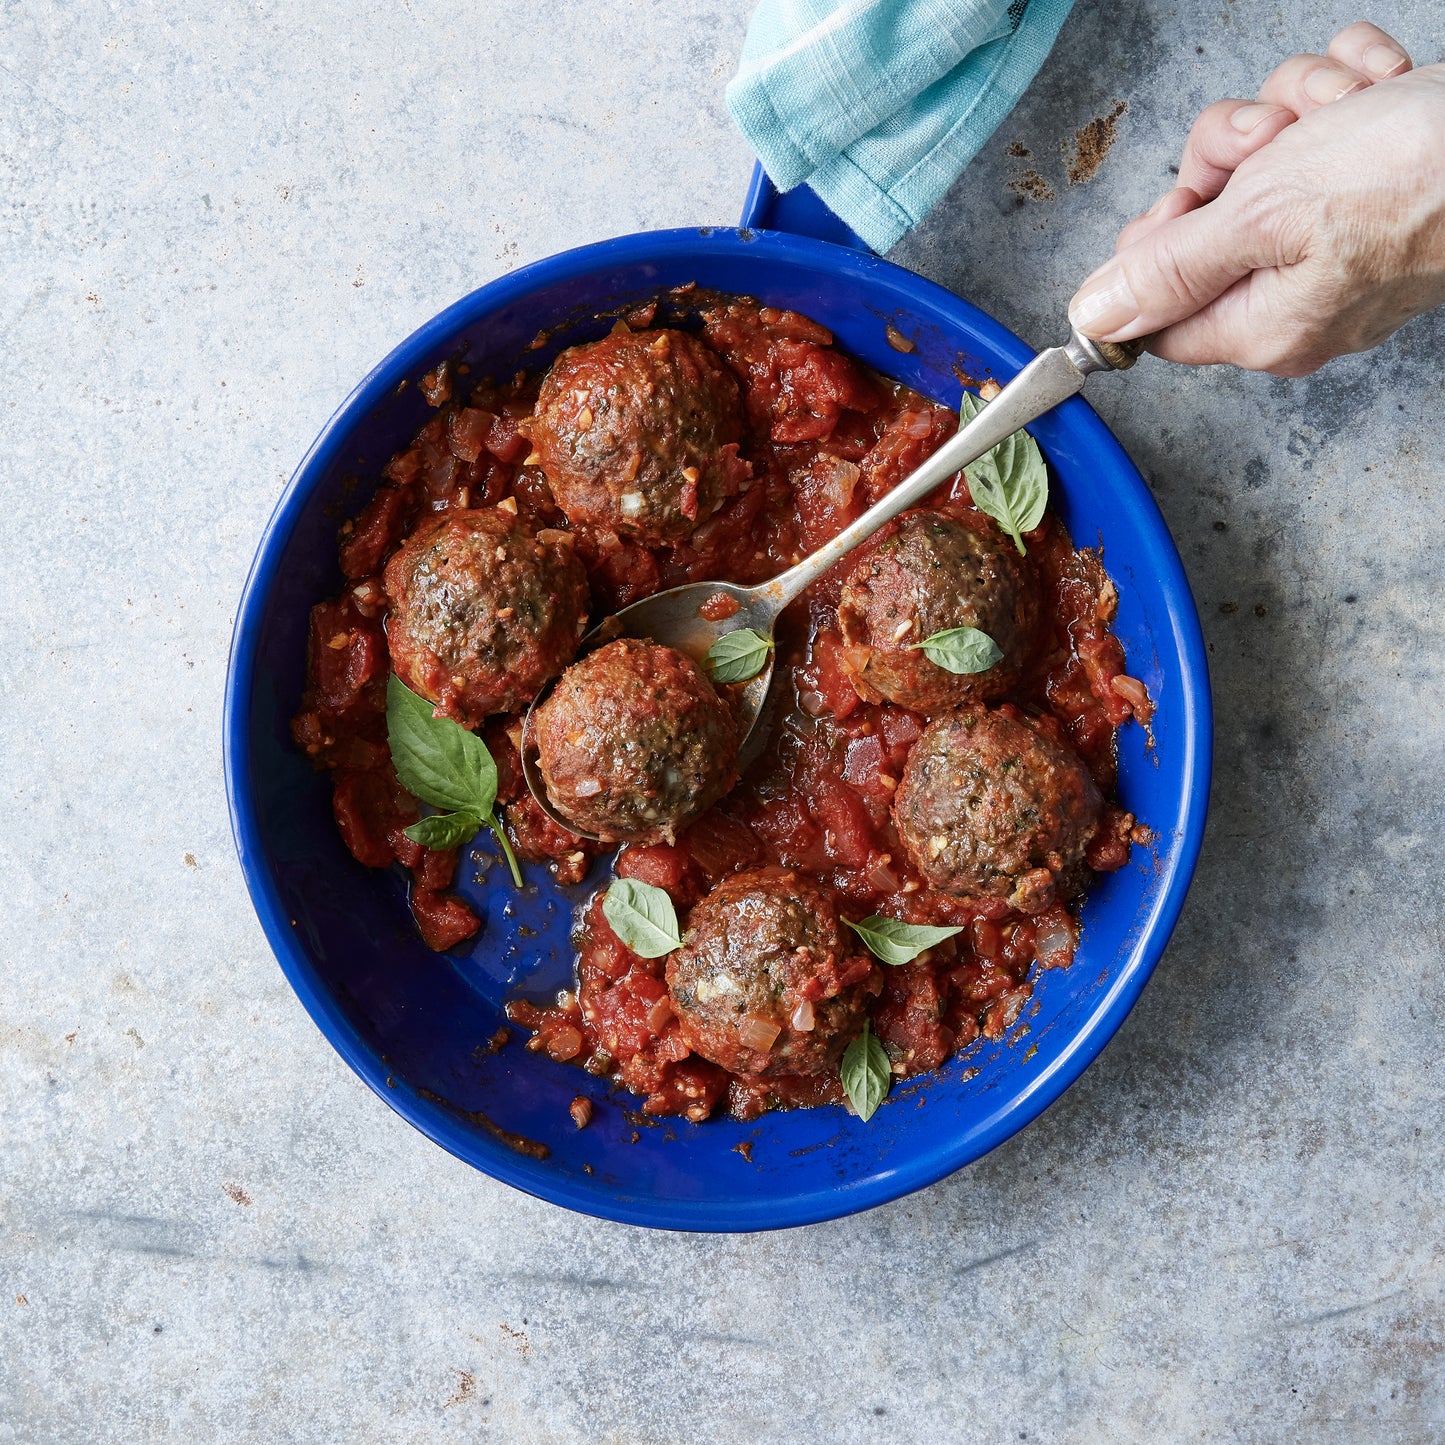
x=215, y=218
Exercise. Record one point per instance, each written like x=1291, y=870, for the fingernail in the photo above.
x=1104, y=303
x=1383, y=61
x=1250, y=117
x=1327, y=84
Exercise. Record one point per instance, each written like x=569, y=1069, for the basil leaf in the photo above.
x=738, y=655
x=866, y=1075
x=445, y=830
x=1009, y=483
x=895, y=942
x=961, y=649
x=642, y=916
x=437, y=760
x=442, y=763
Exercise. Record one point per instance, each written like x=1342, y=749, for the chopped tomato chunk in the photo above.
x=442, y=918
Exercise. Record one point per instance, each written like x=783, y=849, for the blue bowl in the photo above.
x=415, y=1024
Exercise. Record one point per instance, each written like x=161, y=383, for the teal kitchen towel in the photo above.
x=879, y=104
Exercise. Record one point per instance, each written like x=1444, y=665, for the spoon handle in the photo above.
x=1051, y=377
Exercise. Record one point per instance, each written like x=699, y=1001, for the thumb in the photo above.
x=1171, y=272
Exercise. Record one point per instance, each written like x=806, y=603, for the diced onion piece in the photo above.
x=838, y=478
x=803, y=1019
x=1135, y=694
x=659, y=1014
x=1054, y=946
x=812, y=702
x=756, y=1033
x=917, y=425
x=588, y=788
x=882, y=878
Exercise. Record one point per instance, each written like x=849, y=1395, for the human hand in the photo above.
x=1306, y=224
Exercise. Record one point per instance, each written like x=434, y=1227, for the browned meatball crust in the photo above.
x=933, y=572
x=768, y=979
x=634, y=742
x=485, y=609
x=637, y=434
x=989, y=808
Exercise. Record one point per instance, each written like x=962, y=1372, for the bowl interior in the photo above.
x=415, y=1025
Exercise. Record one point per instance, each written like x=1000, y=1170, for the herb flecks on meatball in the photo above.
x=637, y=434
x=634, y=742
x=485, y=609
x=768, y=980
x=990, y=808
x=930, y=573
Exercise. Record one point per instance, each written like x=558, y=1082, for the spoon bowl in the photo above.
x=676, y=619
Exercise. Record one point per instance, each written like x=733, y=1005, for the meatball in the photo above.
x=634, y=742
x=990, y=808
x=637, y=434
x=484, y=610
x=931, y=573
x=768, y=980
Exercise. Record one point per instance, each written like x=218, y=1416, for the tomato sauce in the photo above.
x=826, y=438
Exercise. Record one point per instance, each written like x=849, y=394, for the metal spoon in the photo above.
x=674, y=619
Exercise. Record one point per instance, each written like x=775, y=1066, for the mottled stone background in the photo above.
x=215, y=219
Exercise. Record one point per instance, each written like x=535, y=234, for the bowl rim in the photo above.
x=819, y=1204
